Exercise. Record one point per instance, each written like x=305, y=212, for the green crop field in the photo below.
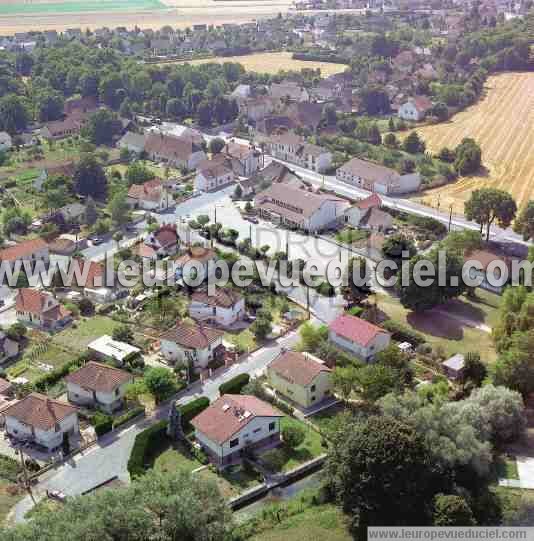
x=77, y=6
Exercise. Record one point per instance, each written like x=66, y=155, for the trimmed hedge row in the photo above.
x=234, y=385
x=102, y=423
x=402, y=333
x=192, y=409
x=125, y=417
x=144, y=441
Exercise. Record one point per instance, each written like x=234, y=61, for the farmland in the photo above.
x=503, y=124
x=18, y=16
x=274, y=62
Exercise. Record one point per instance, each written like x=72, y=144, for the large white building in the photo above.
x=223, y=309
x=235, y=423
x=300, y=208
x=195, y=343
x=377, y=178
x=358, y=336
x=292, y=148
x=98, y=385
x=41, y=420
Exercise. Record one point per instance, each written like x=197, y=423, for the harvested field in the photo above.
x=274, y=62
x=502, y=122
x=180, y=13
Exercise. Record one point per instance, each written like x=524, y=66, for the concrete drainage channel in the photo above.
x=281, y=481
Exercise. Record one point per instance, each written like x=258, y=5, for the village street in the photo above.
x=108, y=458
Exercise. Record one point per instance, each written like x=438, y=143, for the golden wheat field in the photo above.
x=272, y=63
x=502, y=122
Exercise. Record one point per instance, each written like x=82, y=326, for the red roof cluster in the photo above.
x=99, y=377
x=296, y=367
x=19, y=251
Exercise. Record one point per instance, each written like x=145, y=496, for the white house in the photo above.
x=234, y=424
x=107, y=349
x=5, y=141
x=223, y=308
x=40, y=309
x=415, y=108
x=98, y=385
x=300, y=377
x=164, y=240
x=358, y=336
x=377, y=178
x=151, y=195
x=177, y=151
x=192, y=343
x=300, y=208
x=41, y=420
x=213, y=175
x=366, y=214
x=292, y=148
x=244, y=160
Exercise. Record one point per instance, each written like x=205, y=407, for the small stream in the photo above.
x=279, y=494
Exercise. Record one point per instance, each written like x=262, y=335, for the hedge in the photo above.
x=192, y=409
x=402, y=333
x=9, y=468
x=234, y=385
x=144, y=441
x=102, y=423
x=51, y=378
x=130, y=414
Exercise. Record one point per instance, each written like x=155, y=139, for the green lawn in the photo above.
x=326, y=420
x=243, y=341
x=84, y=331
x=507, y=468
x=350, y=236
x=172, y=458
x=439, y=330
x=80, y=7
x=233, y=481
x=7, y=499
x=284, y=459
x=324, y=522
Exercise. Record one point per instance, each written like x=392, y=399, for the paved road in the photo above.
x=109, y=458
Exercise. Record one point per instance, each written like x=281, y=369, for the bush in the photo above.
x=234, y=385
x=192, y=409
x=200, y=455
x=130, y=414
x=10, y=468
x=144, y=441
x=402, y=333
x=102, y=423
x=293, y=436
x=51, y=378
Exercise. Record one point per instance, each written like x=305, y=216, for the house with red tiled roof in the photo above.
x=357, y=336
x=224, y=308
x=98, y=385
x=355, y=213
x=41, y=420
x=151, y=195
x=193, y=343
x=60, y=129
x=300, y=377
x=28, y=250
x=234, y=424
x=39, y=309
x=176, y=151
x=164, y=240
x=214, y=174
x=415, y=108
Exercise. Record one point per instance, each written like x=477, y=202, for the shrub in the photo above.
x=234, y=385
x=192, y=409
x=144, y=441
x=102, y=423
x=402, y=333
x=130, y=414
x=51, y=378
x=293, y=436
x=200, y=455
x=10, y=468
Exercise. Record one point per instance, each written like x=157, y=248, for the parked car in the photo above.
x=56, y=495
x=196, y=193
x=96, y=240
x=252, y=219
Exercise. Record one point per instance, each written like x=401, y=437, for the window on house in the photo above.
x=234, y=443
x=313, y=398
x=257, y=430
x=312, y=388
x=272, y=426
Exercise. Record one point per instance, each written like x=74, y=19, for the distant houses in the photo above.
x=151, y=195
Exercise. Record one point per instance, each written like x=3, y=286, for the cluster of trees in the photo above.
x=422, y=462
x=170, y=505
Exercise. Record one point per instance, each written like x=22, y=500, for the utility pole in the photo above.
x=439, y=201
x=287, y=245
x=308, y=301
x=450, y=218
x=27, y=484
x=215, y=214
x=250, y=233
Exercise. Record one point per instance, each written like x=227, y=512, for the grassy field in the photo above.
x=274, y=62
x=323, y=522
x=76, y=6
x=84, y=331
x=448, y=333
x=502, y=123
